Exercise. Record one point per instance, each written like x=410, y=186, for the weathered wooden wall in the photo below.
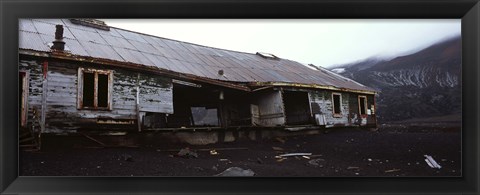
x=321, y=103
x=34, y=100
x=62, y=115
x=270, y=108
x=156, y=94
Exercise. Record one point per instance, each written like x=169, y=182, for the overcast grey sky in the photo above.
x=317, y=41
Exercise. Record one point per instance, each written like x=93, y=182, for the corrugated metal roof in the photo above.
x=127, y=46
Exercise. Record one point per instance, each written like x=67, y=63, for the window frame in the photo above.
x=359, y=105
x=80, y=86
x=25, y=76
x=339, y=114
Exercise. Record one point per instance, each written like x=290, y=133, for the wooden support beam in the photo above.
x=44, y=96
x=137, y=103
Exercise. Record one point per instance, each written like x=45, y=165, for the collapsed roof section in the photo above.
x=91, y=39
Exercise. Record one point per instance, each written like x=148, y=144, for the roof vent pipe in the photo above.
x=58, y=43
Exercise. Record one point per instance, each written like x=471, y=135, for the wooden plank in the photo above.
x=139, y=123
x=93, y=139
x=44, y=97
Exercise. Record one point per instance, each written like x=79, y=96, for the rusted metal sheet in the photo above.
x=181, y=57
x=28, y=40
x=47, y=28
x=101, y=51
x=133, y=56
x=87, y=36
x=117, y=41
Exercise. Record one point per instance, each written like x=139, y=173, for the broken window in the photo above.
x=337, y=103
x=94, y=88
x=362, y=104
x=203, y=116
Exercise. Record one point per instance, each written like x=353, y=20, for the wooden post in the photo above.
x=137, y=103
x=44, y=96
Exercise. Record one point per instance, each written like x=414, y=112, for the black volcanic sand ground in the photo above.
x=393, y=150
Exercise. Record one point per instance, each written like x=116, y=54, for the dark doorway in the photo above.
x=194, y=107
x=297, y=107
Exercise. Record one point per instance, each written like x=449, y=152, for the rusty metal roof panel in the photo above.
x=112, y=32
x=26, y=25
x=214, y=61
x=127, y=46
x=195, y=69
x=33, y=41
x=133, y=56
x=83, y=35
x=75, y=47
x=69, y=24
x=132, y=36
x=143, y=47
x=101, y=51
x=179, y=66
x=53, y=21
x=247, y=73
x=117, y=41
x=157, y=61
x=49, y=29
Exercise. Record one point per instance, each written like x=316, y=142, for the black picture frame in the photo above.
x=467, y=10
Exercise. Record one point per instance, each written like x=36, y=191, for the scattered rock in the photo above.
x=213, y=152
x=236, y=172
x=316, y=162
x=186, y=152
x=127, y=157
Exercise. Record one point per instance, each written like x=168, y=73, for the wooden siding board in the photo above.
x=321, y=103
x=62, y=113
x=270, y=108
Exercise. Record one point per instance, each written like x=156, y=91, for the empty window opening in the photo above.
x=203, y=116
x=337, y=103
x=88, y=89
x=95, y=88
x=102, y=90
x=362, y=105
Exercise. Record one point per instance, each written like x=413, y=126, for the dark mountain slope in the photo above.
x=423, y=84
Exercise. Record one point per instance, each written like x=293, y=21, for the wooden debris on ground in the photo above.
x=295, y=154
x=277, y=148
x=201, y=149
x=431, y=162
x=392, y=170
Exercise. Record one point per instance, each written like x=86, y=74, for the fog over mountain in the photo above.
x=423, y=84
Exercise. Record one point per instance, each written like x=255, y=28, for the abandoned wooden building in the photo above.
x=81, y=75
